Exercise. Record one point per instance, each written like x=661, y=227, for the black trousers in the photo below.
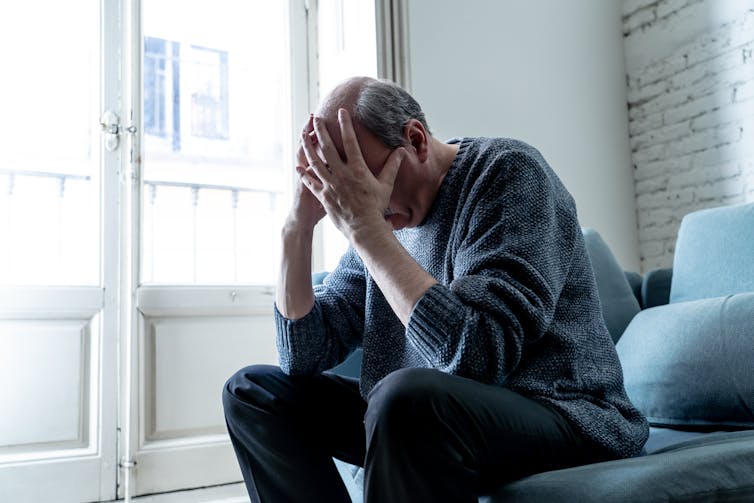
x=421, y=436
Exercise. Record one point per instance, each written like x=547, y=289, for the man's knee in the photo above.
x=247, y=386
x=404, y=399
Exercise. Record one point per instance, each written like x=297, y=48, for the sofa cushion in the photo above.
x=690, y=364
x=661, y=439
x=619, y=304
x=696, y=467
x=711, y=469
x=714, y=254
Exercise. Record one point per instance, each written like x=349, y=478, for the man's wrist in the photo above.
x=294, y=229
x=370, y=233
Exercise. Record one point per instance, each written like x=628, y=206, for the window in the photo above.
x=218, y=145
x=49, y=169
x=218, y=141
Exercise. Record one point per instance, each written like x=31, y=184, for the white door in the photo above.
x=226, y=86
x=59, y=238
x=219, y=101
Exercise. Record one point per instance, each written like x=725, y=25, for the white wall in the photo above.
x=549, y=72
x=691, y=107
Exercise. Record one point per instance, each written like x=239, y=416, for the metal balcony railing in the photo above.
x=192, y=233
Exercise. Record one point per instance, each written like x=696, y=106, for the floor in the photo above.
x=231, y=493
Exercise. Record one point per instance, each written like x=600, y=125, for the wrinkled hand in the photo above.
x=307, y=210
x=351, y=195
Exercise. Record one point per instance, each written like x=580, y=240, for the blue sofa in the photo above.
x=685, y=337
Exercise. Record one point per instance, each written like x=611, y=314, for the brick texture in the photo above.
x=691, y=115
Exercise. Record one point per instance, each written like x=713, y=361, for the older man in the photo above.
x=467, y=285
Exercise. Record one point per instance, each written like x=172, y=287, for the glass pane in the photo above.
x=49, y=170
x=217, y=140
x=347, y=41
x=347, y=47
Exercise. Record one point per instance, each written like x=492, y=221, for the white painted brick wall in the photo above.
x=691, y=115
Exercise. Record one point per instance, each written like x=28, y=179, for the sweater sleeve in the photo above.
x=332, y=329
x=511, y=257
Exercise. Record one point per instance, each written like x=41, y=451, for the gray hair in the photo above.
x=384, y=108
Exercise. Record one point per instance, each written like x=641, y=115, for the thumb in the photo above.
x=392, y=165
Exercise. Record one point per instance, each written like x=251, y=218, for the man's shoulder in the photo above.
x=495, y=168
x=482, y=153
x=487, y=160
x=494, y=144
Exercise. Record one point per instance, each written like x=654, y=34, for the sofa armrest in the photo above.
x=655, y=288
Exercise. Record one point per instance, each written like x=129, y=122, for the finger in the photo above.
x=313, y=159
x=350, y=143
x=302, y=170
x=309, y=179
x=307, y=129
x=391, y=166
x=309, y=126
x=301, y=156
x=332, y=156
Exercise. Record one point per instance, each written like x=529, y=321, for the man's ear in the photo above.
x=416, y=136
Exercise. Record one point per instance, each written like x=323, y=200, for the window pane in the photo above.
x=347, y=41
x=49, y=169
x=217, y=136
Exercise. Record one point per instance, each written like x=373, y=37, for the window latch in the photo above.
x=110, y=123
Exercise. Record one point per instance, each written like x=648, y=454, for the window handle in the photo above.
x=110, y=124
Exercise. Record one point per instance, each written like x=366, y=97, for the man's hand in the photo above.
x=306, y=210
x=356, y=200
x=353, y=197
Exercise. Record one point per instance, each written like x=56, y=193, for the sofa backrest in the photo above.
x=714, y=254
x=617, y=297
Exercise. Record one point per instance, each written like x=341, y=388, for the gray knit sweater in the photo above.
x=516, y=304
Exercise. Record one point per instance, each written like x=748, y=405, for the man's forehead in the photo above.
x=344, y=96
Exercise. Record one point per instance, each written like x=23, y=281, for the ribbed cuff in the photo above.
x=435, y=322
x=311, y=324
